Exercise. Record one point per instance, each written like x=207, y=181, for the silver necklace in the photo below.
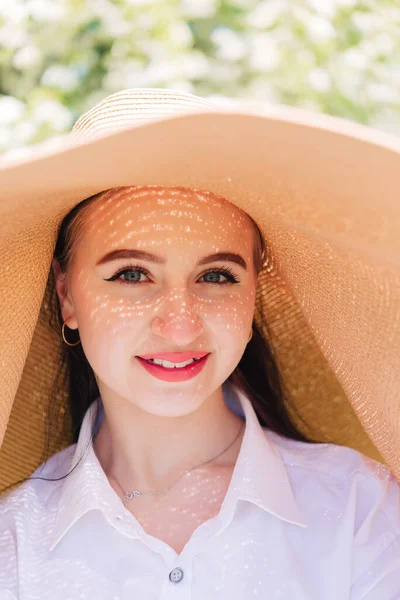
x=135, y=493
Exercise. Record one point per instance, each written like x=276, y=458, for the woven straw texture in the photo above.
x=324, y=193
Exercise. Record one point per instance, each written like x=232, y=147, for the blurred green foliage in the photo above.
x=60, y=57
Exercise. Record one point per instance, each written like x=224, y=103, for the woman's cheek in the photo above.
x=234, y=322
x=102, y=319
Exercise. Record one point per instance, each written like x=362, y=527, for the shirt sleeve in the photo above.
x=376, y=544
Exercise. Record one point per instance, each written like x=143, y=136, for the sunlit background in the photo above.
x=60, y=57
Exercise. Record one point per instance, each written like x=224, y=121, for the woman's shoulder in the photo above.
x=341, y=475
x=35, y=493
x=26, y=512
x=335, y=460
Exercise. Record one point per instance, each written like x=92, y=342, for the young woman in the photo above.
x=185, y=475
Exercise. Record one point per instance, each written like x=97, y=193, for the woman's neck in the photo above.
x=148, y=452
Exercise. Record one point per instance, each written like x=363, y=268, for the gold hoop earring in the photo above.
x=63, y=336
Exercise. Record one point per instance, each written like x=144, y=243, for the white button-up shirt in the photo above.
x=299, y=522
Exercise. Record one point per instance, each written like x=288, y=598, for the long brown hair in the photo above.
x=257, y=374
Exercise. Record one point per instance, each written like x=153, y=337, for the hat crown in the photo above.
x=136, y=107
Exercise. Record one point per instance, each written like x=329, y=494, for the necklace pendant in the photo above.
x=130, y=495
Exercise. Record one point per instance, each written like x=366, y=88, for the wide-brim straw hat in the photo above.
x=323, y=191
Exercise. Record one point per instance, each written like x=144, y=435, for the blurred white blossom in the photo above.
x=60, y=76
x=266, y=13
x=385, y=44
x=264, y=91
x=320, y=80
x=110, y=14
x=180, y=84
x=380, y=92
x=320, y=29
x=117, y=27
x=12, y=36
x=53, y=112
x=46, y=10
x=123, y=76
x=154, y=49
x=346, y=3
x=231, y=45
x=26, y=57
x=23, y=132
x=198, y=9
x=393, y=13
x=224, y=72
x=140, y=2
x=12, y=10
x=180, y=35
x=349, y=84
x=264, y=53
x=305, y=59
x=11, y=110
x=327, y=8
x=145, y=21
x=192, y=66
x=354, y=59
x=369, y=49
x=245, y=4
x=367, y=22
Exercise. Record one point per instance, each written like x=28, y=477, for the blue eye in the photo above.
x=227, y=272
x=230, y=275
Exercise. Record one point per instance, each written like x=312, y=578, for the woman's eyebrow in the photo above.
x=155, y=258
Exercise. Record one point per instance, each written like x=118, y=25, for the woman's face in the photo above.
x=171, y=305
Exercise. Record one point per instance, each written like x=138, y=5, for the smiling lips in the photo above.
x=173, y=373
x=175, y=357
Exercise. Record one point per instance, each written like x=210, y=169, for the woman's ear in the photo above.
x=66, y=305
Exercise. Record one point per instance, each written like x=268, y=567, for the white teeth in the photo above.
x=170, y=365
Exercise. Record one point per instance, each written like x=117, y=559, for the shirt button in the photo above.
x=176, y=575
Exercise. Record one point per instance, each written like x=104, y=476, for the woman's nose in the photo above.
x=177, y=319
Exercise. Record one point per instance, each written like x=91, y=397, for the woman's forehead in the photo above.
x=147, y=198
x=156, y=211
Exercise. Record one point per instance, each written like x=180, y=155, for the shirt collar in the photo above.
x=259, y=476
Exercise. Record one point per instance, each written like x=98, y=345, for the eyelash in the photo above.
x=226, y=271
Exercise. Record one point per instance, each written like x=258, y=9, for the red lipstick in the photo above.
x=175, y=374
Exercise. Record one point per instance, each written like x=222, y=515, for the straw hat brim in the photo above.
x=325, y=194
